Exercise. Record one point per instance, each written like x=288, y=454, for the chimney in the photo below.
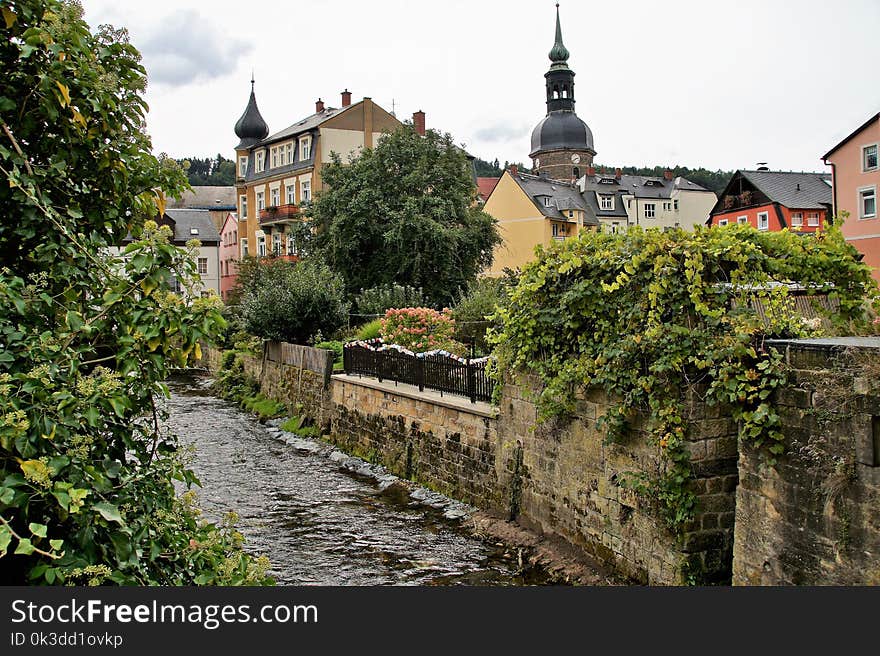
x=419, y=122
x=346, y=98
x=617, y=173
x=513, y=168
x=319, y=106
x=667, y=174
x=591, y=171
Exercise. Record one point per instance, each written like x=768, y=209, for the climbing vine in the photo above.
x=650, y=316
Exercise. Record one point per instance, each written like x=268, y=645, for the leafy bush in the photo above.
x=384, y=297
x=420, y=329
x=294, y=302
x=370, y=330
x=263, y=407
x=87, y=474
x=473, y=309
x=299, y=426
x=646, y=315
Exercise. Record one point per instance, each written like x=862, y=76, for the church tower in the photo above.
x=562, y=144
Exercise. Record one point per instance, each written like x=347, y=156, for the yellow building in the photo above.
x=532, y=210
x=277, y=174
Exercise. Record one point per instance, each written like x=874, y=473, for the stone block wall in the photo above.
x=452, y=447
x=572, y=486
x=814, y=517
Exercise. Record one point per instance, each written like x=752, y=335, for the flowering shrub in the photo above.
x=420, y=329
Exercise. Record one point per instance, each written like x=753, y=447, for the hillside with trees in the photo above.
x=209, y=170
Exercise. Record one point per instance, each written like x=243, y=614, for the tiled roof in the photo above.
x=308, y=123
x=193, y=224
x=793, y=190
x=205, y=198
x=486, y=186
x=562, y=195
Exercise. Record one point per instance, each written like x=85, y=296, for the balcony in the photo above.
x=279, y=214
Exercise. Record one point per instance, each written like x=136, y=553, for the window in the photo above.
x=615, y=228
x=282, y=155
x=242, y=166
x=675, y=205
x=570, y=214
x=606, y=202
x=869, y=157
x=289, y=149
x=260, y=161
x=548, y=202
x=244, y=247
x=650, y=210
x=275, y=197
x=813, y=219
x=868, y=203
x=235, y=236
x=274, y=157
x=261, y=200
x=667, y=207
x=722, y=222
x=763, y=221
x=305, y=148
x=797, y=219
x=276, y=244
x=261, y=245
x=305, y=191
x=560, y=230
x=291, y=245
x=742, y=220
x=203, y=265
x=291, y=194
x=242, y=201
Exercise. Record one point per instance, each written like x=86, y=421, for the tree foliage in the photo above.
x=290, y=302
x=384, y=297
x=209, y=171
x=648, y=315
x=86, y=470
x=403, y=212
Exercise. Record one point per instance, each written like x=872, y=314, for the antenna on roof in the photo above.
x=393, y=106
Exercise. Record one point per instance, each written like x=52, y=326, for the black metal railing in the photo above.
x=436, y=372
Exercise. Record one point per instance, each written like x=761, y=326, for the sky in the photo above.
x=723, y=85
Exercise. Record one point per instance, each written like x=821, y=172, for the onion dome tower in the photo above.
x=562, y=144
x=251, y=127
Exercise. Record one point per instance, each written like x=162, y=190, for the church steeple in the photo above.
x=561, y=143
x=559, y=53
x=251, y=127
x=560, y=78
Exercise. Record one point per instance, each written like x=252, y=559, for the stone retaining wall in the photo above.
x=814, y=518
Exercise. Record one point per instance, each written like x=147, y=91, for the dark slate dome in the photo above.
x=561, y=130
x=251, y=127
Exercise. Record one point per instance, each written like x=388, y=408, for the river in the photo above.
x=319, y=522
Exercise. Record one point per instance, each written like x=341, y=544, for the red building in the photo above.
x=773, y=200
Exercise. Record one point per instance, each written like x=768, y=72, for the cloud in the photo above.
x=187, y=48
x=501, y=132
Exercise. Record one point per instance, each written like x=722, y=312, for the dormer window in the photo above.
x=242, y=166
x=606, y=202
x=260, y=161
x=548, y=202
x=305, y=148
x=193, y=231
x=607, y=181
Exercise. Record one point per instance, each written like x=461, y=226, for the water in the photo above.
x=318, y=523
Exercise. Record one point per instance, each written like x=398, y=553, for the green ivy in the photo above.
x=649, y=315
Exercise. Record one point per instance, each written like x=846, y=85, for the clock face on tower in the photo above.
x=537, y=162
x=575, y=159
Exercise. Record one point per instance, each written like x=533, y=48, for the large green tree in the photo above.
x=86, y=471
x=403, y=212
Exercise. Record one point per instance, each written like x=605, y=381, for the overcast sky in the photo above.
x=695, y=83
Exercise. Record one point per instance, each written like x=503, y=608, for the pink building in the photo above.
x=229, y=255
x=856, y=179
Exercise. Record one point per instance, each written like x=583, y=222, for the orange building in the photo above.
x=856, y=179
x=773, y=200
x=277, y=174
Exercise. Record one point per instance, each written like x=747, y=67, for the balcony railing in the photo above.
x=279, y=213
